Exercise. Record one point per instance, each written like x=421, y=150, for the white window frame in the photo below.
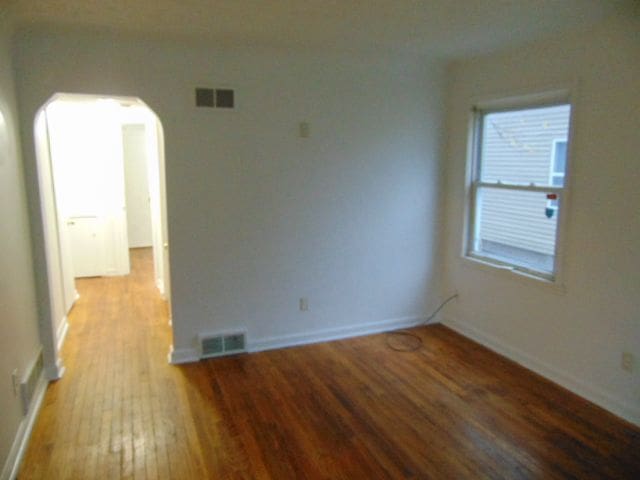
x=472, y=223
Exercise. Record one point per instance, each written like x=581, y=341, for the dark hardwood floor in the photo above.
x=350, y=409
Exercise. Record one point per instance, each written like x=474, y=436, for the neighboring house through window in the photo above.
x=517, y=186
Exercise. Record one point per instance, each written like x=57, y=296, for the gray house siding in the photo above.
x=517, y=147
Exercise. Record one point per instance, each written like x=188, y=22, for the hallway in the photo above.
x=110, y=414
x=350, y=409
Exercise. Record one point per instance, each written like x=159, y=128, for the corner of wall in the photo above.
x=557, y=375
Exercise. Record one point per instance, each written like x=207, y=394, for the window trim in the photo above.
x=478, y=111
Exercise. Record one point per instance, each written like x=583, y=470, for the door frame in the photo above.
x=51, y=334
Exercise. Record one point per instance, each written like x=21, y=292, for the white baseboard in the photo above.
x=61, y=333
x=336, y=333
x=186, y=355
x=183, y=355
x=628, y=412
x=160, y=286
x=19, y=447
x=139, y=245
x=54, y=372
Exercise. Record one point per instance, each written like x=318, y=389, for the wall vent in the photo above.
x=224, y=98
x=30, y=382
x=217, y=345
x=215, y=98
x=204, y=97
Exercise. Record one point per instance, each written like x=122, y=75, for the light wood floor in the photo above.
x=351, y=409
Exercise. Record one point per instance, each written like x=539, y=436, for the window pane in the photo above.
x=560, y=157
x=557, y=180
x=516, y=227
x=518, y=146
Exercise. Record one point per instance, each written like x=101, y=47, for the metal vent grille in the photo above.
x=215, y=98
x=212, y=346
x=224, y=98
x=30, y=382
x=204, y=97
x=234, y=343
x=222, y=344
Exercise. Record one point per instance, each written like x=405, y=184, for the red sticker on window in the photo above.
x=552, y=196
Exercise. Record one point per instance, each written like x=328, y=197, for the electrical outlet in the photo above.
x=15, y=382
x=304, y=304
x=627, y=361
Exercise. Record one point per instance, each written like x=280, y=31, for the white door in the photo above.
x=66, y=262
x=86, y=240
x=163, y=216
x=137, y=186
x=87, y=160
x=153, y=142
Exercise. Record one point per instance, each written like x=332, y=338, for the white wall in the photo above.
x=136, y=186
x=575, y=336
x=19, y=343
x=86, y=141
x=57, y=271
x=259, y=217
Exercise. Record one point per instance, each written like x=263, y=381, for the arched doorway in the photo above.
x=99, y=159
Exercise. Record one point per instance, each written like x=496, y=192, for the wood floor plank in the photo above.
x=350, y=409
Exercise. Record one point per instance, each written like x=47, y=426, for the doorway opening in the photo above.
x=102, y=193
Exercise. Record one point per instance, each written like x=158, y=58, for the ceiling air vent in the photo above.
x=215, y=98
x=218, y=345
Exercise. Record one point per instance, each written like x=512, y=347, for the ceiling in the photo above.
x=441, y=28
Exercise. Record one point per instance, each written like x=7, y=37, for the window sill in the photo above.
x=512, y=274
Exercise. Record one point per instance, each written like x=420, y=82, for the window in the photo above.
x=517, y=187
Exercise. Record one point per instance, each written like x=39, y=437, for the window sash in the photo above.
x=473, y=231
x=476, y=184
x=512, y=267
x=518, y=186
